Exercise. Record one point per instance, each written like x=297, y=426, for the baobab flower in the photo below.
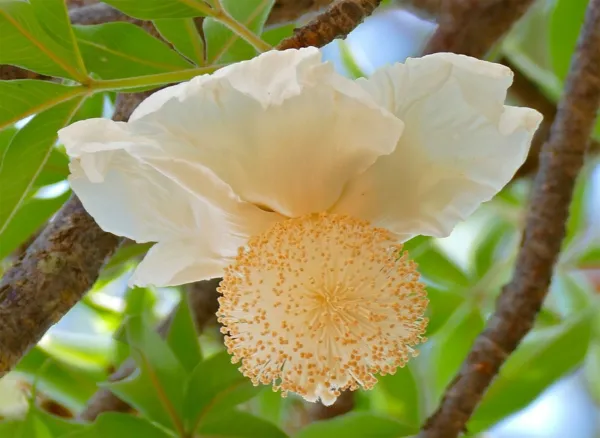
x=298, y=186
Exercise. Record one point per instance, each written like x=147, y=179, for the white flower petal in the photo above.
x=128, y=197
x=178, y=262
x=283, y=130
x=460, y=145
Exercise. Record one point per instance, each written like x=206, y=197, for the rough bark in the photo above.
x=472, y=27
x=337, y=21
x=561, y=159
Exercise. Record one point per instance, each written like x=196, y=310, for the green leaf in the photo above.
x=442, y=304
x=489, y=248
x=348, y=60
x=123, y=50
x=590, y=257
x=244, y=426
x=438, y=269
x=26, y=44
x=112, y=424
x=183, y=338
x=32, y=215
x=571, y=292
x=592, y=370
x=223, y=45
x=402, y=395
x=57, y=426
x=565, y=24
x=27, y=155
x=578, y=221
x=54, y=18
x=270, y=406
x=9, y=428
x=127, y=252
x=24, y=97
x=453, y=342
x=540, y=360
x=152, y=9
x=357, y=425
x=275, y=35
x=55, y=170
x=184, y=35
x=157, y=390
x=216, y=385
x=67, y=384
x=93, y=107
x=33, y=427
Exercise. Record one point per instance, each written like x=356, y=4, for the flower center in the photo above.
x=321, y=303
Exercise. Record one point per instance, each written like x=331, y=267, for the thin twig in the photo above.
x=338, y=20
x=561, y=160
x=202, y=298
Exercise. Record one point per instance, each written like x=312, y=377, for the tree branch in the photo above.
x=561, y=160
x=338, y=20
x=202, y=298
x=55, y=271
x=471, y=27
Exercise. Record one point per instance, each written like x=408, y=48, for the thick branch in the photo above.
x=338, y=20
x=202, y=298
x=471, y=27
x=54, y=273
x=561, y=160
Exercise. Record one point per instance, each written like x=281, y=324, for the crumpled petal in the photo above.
x=130, y=198
x=283, y=130
x=460, y=144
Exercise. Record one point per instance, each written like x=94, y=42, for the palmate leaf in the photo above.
x=65, y=383
x=22, y=98
x=27, y=155
x=122, y=50
x=452, y=344
x=183, y=338
x=27, y=44
x=401, y=395
x=157, y=388
x=32, y=215
x=112, y=424
x=216, y=386
x=153, y=9
x=223, y=45
x=184, y=35
x=244, y=426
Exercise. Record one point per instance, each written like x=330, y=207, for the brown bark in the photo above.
x=561, y=159
x=472, y=27
x=338, y=20
x=202, y=298
x=55, y=271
